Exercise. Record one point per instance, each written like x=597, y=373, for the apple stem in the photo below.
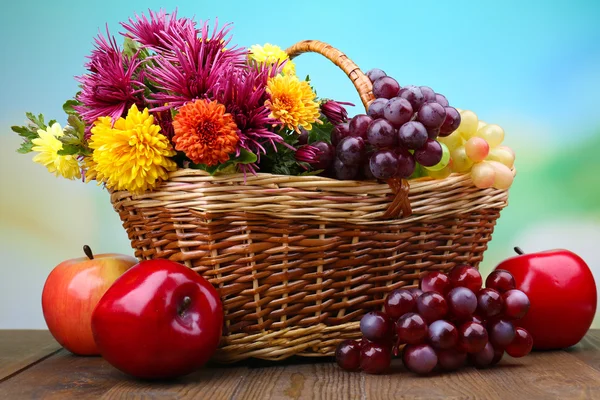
x=88, y=252
x=185, y=305
x=519, y=251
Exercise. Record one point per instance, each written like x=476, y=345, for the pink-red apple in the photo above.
x=71, y=293
x=159, y=320
x=562, y=292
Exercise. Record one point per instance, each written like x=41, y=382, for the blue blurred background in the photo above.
x=531, y=67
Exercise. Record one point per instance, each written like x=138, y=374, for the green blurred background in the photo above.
x=531, y=67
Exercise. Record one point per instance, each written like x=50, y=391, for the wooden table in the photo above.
x=33, y=366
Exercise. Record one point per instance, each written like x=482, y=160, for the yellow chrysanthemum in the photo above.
x=48, y=146
x=292, y=102
x=133, y=155
x=272, y=54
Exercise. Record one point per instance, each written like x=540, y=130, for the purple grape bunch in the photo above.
x=451, y=321
x=397, y=133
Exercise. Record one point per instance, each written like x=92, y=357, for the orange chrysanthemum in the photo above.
x=205, y=132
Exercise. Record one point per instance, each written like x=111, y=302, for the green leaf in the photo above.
x=69, y=149
x=24, y=132
x=26, y=147
x=38, y=121
x=69, y=106
x=245, y=157
x=320, y=132
x=310, y=173
x=130, y=47
x=77, y=124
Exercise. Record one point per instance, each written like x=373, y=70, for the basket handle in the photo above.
x=400, y=204
x=362, y=83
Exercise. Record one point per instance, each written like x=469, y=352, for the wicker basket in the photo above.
x=298, y=260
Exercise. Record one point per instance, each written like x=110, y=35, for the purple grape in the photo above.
x=432, y=306
x=385, y=87
x=367, y=175
x=420, y=359
x=347, y=355
x=384, y=164
x=462, y=303
x=359, y=125
x=484, y=357
x=498, y=353
x=406, y=167
x=416, y=292
x=414, y=96
x=339, y=132
x=442, y=335
x=428, y=94
x=381, y=133
x=411, y=329
x=344, y=171
x=375, y=358
x=516, y=304
x=441, y=99
x=489, y=302
x=451, y=359
x=432, y=115
x=398, y=111
x=430, y=154
x=351, y=150
x=376, y=108
x=377, y=327
x=412, y=135
x=375, y=73
x=451, y=122
x=501, y=280
x=433, y=133
x=501, y=333
x=472, y=337
x=398, y=303
x=326, y=154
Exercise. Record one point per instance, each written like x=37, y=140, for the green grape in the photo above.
x=493, y=134
x=468, y=124
x=483, y=174
x=460, y=161
x=502, y=155
x=480, y=124
x=443, y=162
x=419, y=172
x=452, y=141
x=503, y=176
x=440, y=174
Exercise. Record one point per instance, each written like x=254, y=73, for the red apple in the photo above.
x=562, y=292
x=159, y=320
x=71, y=292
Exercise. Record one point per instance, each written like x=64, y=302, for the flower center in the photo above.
x=207, y=132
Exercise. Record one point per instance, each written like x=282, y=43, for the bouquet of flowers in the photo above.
x=177, y=95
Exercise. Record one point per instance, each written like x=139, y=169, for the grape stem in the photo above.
x=519, y=251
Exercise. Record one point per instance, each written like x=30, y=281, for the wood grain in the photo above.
x=19, y=349
x=563, y=374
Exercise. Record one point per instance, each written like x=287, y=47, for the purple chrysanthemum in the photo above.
x=335, y=112
x=111, y=87
x=158, y=32
x=243, y=92
x=192, y=66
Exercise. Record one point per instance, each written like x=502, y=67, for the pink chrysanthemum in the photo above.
x=192, y=66
x=158, y=32
x=111, y=87
x=243, y=92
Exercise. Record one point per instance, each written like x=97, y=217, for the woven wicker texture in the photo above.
x=298, y=260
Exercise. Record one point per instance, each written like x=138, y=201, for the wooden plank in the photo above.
x=551, y=375
x=19, y=349
x=65, y=376
x=588, y=350
x=315, y=380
